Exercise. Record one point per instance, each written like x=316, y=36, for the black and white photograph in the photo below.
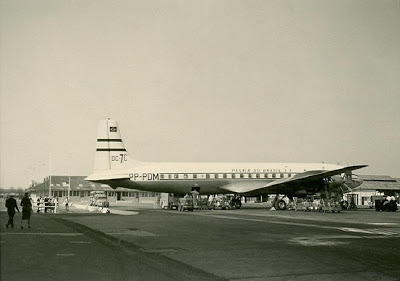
x=240, y=140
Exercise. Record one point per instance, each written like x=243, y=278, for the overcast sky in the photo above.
x=199, y=81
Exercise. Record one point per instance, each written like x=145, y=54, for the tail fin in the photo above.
x=110, y=150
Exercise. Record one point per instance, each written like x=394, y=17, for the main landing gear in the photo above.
x=279, y=203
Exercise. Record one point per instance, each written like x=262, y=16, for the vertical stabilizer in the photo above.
x=110, y=150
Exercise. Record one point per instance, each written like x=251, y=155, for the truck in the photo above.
x=98, y=199
x=186, y=204
x=169, y=201
x=383, y=203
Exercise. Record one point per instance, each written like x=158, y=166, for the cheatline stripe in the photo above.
x=111, y=149
x=110, y=140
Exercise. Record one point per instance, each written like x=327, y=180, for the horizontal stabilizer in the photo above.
x=103, y=177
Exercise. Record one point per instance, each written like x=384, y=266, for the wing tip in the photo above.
x=355, y=167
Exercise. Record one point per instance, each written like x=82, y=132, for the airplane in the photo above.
x=114, y=166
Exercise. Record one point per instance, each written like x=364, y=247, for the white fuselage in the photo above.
x=207, y=178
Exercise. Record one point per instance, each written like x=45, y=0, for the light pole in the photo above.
x=69, y=180
x=49, y=174
x=39, y=175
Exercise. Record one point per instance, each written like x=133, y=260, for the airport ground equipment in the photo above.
x=373, y=199
x=376, y=200
x=385, y=205
x=234, y=201
x=315, y=205
x=169, y=201
x=200, y=203
x=98, y=199
x=220, y=202
x=186, y=204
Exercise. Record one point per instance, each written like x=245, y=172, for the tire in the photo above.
x=280, y=205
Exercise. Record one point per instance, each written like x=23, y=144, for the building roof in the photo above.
x=374, y=182
x=78, y=183
x=376, y=178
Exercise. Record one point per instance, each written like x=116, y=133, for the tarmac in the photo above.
x=247, y=244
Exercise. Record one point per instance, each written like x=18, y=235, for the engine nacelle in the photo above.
x=335, y=181
x=301, y=193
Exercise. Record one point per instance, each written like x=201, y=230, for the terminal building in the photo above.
x=79, y=190
x=375, y=185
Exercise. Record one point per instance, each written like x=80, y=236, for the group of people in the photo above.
x=12, y=206
x=47, y=204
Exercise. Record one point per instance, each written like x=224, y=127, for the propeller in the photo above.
x=347, y=187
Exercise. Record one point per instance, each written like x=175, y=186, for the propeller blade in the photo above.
x=348, y=188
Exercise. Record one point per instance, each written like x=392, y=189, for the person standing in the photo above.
x=26, y=209
x=55, y=204
x=66, y=203
x=38, y=204
x=46, y=203
x=11, y=205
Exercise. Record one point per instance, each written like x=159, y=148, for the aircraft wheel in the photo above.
x=280, y=205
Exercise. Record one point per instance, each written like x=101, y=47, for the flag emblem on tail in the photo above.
x=113, y=129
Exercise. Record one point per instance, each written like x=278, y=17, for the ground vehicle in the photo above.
x=98, y=199
x=200, y=203
x=374, y=199
x=220, y=202
x=169, y=201
x=185, y=203
x=384, y=204
x=234, y=202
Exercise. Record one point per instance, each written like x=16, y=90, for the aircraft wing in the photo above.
x=257, y=187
